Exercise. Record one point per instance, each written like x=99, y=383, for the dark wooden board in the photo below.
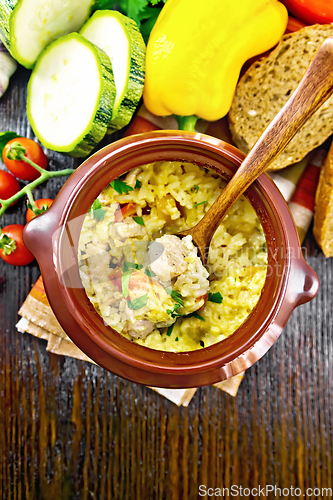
x=71, y=430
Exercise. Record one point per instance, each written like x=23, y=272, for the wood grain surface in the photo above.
x=71, y=430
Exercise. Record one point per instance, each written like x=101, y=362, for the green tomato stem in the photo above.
x=20, y=156
x=15, y=151
x=187, y=122
x=31, y=200
x=45, y=175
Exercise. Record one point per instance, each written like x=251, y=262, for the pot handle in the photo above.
x=37, y=235
x=304, y=282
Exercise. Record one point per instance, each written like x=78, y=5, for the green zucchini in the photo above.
x=71, y=93
x=27, y=26
x=121, y=40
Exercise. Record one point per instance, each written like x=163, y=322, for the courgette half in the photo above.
x=27, y=26
x=122, y=41
x=71, y=93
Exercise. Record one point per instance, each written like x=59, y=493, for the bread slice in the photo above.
x=266, y=86
x=323, y=216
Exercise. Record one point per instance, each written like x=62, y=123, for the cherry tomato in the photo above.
x=21, y=255
x=311, y=11
x=8, y=185
x=20, y=168
x=43, y=202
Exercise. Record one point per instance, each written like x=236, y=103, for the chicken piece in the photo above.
x=139, y=329
x=171, y=262
x=128, y=228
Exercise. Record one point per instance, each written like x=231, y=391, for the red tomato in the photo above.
x=20, y=168
x=311, y=11
x=43, y=202
x=8, y=185
x=21, y=255
x=125, y=211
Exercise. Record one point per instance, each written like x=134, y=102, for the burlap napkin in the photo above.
x=297, y=183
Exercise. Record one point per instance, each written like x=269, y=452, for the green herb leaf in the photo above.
x=215, y=297
x=121, y=187
x=7, y=244
x=125, y=278
x=149, y=273
x=138, y=184
x=131, y=265
x=176, y=339
x=133, y=8
x=96, y=210
x=138, y=303
x=169, y=330
x=201, y=203
x=139, y=220
x=195, y=188
x=177, y=297
x=6, y=137
x=104, y=4
x=195, y=315
x=173, y=312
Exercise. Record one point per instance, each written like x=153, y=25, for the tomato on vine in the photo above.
x=31, y=150
x=8, y=185
x=12, y=248
x=42, y=205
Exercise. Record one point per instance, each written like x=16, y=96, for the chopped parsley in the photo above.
x=138, y=303
x=149, y=273
x=131, y=265
x=176, y=296
x=202, y=343
x=176, y=339
x=201, y=203
x=138, y=184
x=139, y=220
x=173, y=312
x=121, y=187
x=96, y=210
x=169, y=330
x=196, y=315
x=125, y=278
x=215, y=297
x=195, y=188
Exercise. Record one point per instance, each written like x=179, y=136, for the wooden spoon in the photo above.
x=313, y=90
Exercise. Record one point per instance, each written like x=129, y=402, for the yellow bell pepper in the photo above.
x=196, y=51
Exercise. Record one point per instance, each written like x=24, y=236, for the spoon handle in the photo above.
x=313, y=90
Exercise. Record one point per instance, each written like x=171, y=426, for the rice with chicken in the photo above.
x=150, y=285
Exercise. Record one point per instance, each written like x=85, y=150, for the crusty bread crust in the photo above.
x=323, y=217
x=266, y=86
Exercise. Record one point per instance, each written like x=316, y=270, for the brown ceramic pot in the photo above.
x=53, y=239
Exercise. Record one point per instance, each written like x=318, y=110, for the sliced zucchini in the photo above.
x=71, y=93
x=122, y=41
x=27, y=26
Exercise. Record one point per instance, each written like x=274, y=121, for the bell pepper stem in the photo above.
x=187, y=122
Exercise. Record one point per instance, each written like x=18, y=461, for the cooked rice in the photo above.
x=171, y=197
